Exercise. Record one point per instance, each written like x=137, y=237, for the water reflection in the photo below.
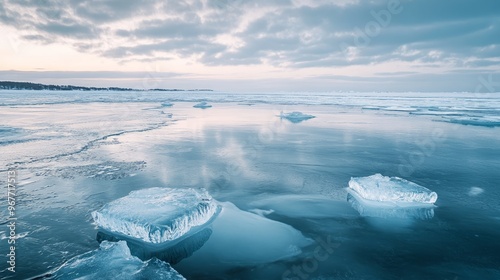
x=389, y=211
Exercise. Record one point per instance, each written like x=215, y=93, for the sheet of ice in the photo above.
x=202, y=105
x=475, y=121
x=399, y=109
x=11, y=135
x=391, y=189
x=157, y=215
x=300, y=206
x=113, y=261
x=386, y=210
x=168, y=115
x=242, y=238
x=295, y=117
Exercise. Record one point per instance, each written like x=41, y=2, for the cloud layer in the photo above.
x=285, y=34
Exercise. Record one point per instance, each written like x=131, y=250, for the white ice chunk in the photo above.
x=202, y=105
x=295, y=117
x=393, y=189
x=114, y=261
x=157, y=215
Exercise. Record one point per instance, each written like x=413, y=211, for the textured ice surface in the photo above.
x=392, y=189
x=114, y=261
x=385, y=210
x=295, y=117
x=157, y=215
x=202, y=105
x=475, y=121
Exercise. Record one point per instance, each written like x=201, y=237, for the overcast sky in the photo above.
x=263, y=45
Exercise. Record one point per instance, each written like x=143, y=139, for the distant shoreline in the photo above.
x=8, y=85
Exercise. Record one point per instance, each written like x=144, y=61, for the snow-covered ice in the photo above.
x=157, y=215
x=202, y=105
x=295, y=117
x=113, y=261
x=391, y=189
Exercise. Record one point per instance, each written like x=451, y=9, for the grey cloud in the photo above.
x=18, y=75
x=464, y=33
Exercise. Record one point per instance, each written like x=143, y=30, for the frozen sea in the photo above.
x=74, y=152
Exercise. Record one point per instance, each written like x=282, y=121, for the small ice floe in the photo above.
x=113, y=260
x=167, y=104
x=157, y=215
x=202, y=105
x=391, y=189
x=475, y=191
x=390, y=197
x=295, y=117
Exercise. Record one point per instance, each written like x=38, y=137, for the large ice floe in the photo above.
x=295, y=117
x=391, y=189
x=157, y=215
x=202, y=105
x=113, y=261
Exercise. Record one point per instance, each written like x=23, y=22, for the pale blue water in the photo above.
x=247, y=156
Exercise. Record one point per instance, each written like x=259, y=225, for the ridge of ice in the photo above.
x=202, y=105
x=157, y=215
x=113, y=261
x=295, y=117
x=391, y=189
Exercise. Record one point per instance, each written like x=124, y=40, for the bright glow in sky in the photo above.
x=274, y=45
